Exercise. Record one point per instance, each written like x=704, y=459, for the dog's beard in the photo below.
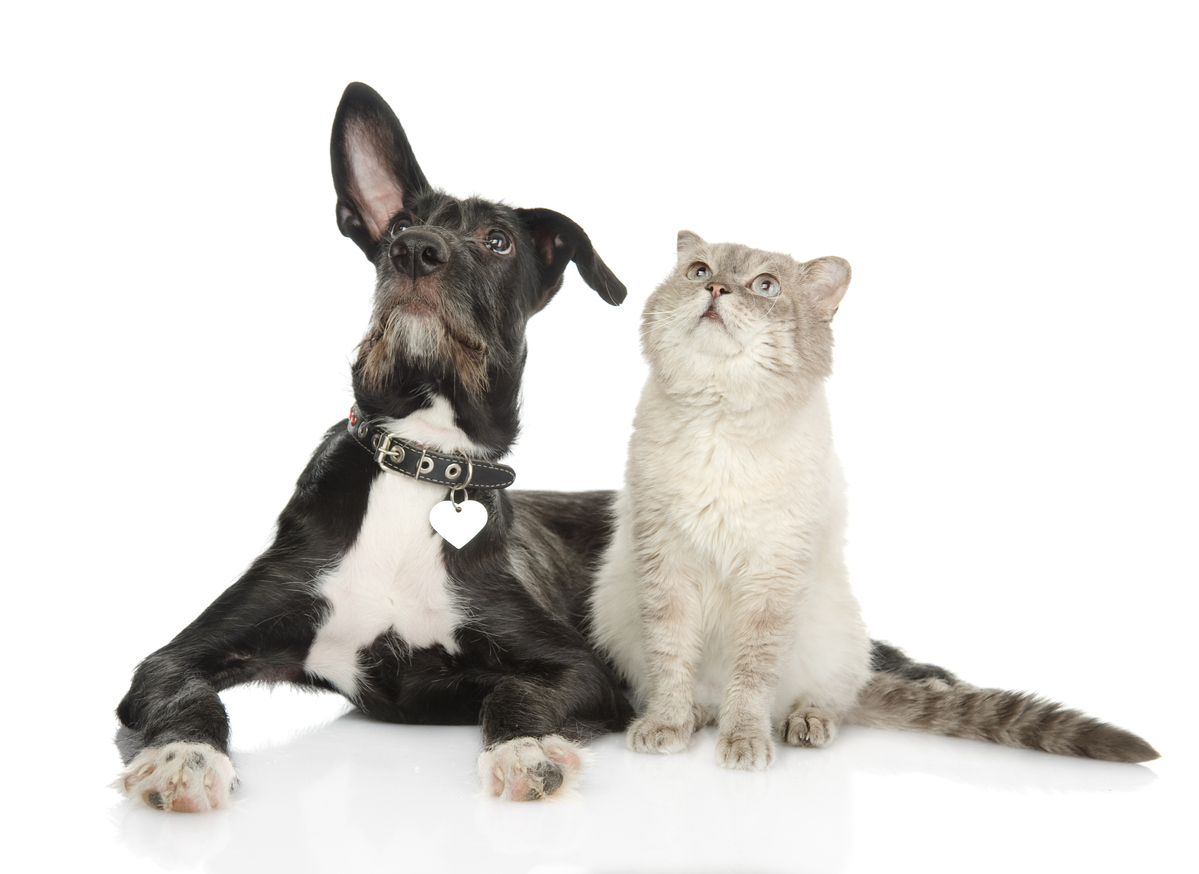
x=424, y=342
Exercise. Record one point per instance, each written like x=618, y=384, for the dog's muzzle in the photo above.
x=417, y=252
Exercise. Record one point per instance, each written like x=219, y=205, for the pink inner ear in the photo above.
x=374, y=186
x=547, y=241
x=828, y=280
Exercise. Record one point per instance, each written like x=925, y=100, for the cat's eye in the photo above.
x=766, y=285
x=498, y=242
x=699, y=270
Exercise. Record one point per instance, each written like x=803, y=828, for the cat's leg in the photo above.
x=671, y=624
x=762, y=623
x=809, y=726
x=827, y=666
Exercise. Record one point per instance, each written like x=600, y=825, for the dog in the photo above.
x=402, y=574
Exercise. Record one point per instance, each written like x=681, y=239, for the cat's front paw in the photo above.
x=809, y=727
x=745, y=751
x=184, y=777
x=530, y=768
x=652, y=735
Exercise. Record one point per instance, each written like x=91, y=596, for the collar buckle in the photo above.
x=387, y=446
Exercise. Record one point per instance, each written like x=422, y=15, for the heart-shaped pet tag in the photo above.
x=458, y=523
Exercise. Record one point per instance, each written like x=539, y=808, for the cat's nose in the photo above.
x=717, y=289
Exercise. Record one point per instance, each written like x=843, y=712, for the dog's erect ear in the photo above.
x=826, y=280
x=373, y=166
x=556, y=240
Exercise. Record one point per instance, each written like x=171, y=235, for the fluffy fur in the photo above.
x=724, y=594
x=357, y=594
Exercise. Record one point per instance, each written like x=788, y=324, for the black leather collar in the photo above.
x=411, y=459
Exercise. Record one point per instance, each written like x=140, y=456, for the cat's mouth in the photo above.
x=710, y=313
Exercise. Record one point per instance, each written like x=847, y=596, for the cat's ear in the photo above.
x=827, y=280
x=689, y=240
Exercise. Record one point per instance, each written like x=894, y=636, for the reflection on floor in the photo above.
x=324, y=789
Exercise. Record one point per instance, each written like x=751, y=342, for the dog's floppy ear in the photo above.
x=557, y=240
x=373, y=166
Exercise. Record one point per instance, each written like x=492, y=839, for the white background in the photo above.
x=1014, y=396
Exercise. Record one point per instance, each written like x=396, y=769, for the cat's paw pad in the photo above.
x=651, y=735
x=744, y=751
x=180, y=776
x=809, y=728
x=530, y=768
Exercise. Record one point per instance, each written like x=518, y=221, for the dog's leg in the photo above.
x=534, y=724
x=178, y=728
x=258, y=630
x=524, y=721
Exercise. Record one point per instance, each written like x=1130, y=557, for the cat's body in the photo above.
x=725, y=587
x=723, y=594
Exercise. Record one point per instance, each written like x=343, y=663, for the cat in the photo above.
x=723, y=595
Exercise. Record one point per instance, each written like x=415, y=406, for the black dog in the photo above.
x=358, y=593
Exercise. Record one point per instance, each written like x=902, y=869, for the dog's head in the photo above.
x=456, y=279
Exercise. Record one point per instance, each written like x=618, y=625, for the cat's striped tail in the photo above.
x=1014, y=719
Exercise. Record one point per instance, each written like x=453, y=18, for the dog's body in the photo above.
x=358, y=594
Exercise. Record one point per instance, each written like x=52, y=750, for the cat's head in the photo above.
x=743, y=322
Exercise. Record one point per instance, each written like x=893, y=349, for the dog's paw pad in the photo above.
x=183, y=777
x=651, y=735
x=744, y=751
x=530, y=768
x=562, y=752
x=809, y=727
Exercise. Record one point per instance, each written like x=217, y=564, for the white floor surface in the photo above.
x=326, y=790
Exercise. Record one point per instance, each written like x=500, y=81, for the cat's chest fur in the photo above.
x=731, y=479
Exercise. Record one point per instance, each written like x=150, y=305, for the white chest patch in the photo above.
x=393, y=578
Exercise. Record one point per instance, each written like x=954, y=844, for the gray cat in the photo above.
x=724, y=595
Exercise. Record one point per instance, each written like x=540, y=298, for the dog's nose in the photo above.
x=418, y=253
x=717, y=289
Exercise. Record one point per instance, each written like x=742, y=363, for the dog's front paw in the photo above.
x=650, y=734
x=531, y=768
x=185, y=777
x=809, y=727
x=745, y=750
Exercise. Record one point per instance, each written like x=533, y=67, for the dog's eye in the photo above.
x=699, y=270
x=766, y=285
x=399, y=225
x=498, y=242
